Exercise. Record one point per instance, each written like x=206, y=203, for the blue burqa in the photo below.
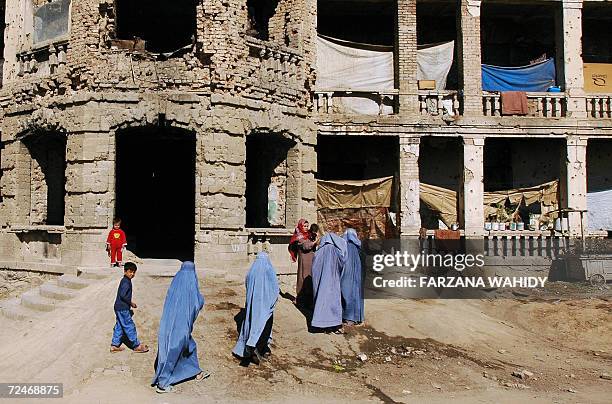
x=351, y=280
x=326, y=270
x=261, y=296
x=177, y=356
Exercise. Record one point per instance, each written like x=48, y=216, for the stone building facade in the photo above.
x=177, y=116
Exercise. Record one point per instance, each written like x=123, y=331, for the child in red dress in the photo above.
x=115, y=242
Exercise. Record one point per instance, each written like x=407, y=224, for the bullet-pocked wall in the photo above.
x=178, y=86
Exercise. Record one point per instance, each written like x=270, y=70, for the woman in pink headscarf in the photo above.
x=301, y=247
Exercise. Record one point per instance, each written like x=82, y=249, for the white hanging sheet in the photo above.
x=349, y=65
x=599, y=210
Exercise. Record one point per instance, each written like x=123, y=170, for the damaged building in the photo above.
x=206, y=125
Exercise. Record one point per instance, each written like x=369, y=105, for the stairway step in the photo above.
x=13, y=310
x=96, y=272
x=72, y=282
x=54, y=291
x=34, y=301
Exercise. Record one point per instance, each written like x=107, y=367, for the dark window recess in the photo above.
x=265, y=152
x=49, y=152
x=164, y=26
x=260, y=12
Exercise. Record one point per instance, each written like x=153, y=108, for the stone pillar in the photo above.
x=405, y=56
x=469, y=57
x=308, y=167
x=23, y=184
x=220, y=201
x=471, y=193
x=574, y=181
x=569, y=59
x=294, y=186
x=90, y=178
x=410, y=215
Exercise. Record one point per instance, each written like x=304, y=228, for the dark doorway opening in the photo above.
x=597, y=32
x=155, y=189
x=442, y=16
x=165, y=26
x=517, y=34
x=440, y=165
x=520, y=163
x=357, y=157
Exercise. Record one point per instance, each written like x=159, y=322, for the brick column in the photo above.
x=468, y=56
x=574, y=181
x=405, y=56
x=569, y=59
x=410, y=215
x=471, y=198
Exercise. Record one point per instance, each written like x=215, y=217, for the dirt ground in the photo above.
x=433, y=351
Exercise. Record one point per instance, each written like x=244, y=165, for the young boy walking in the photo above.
x=125, y=329
x=115, y=242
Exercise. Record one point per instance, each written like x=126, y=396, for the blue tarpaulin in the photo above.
x=536, y=77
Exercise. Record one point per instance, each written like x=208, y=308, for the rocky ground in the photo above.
x=508, y=349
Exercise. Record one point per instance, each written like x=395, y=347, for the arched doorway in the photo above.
x=155, y=191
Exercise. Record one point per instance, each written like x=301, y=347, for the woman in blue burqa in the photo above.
x=351, y=280
x=326, y=271
x=177, y=355
x=261, y=296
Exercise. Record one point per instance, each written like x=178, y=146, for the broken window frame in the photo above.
x=31, y=11
x=116, y=40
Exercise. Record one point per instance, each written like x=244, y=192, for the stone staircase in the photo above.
x=45, y=298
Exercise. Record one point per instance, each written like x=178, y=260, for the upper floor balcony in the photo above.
x=411, y=57
x=433, y=67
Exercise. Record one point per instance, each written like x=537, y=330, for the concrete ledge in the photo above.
x=41, y=267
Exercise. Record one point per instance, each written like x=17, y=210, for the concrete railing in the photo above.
x=510, y=244
x=599, y=106
x=277, y=64
x=439, y=102
x=541, y=105
x=324, y=98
